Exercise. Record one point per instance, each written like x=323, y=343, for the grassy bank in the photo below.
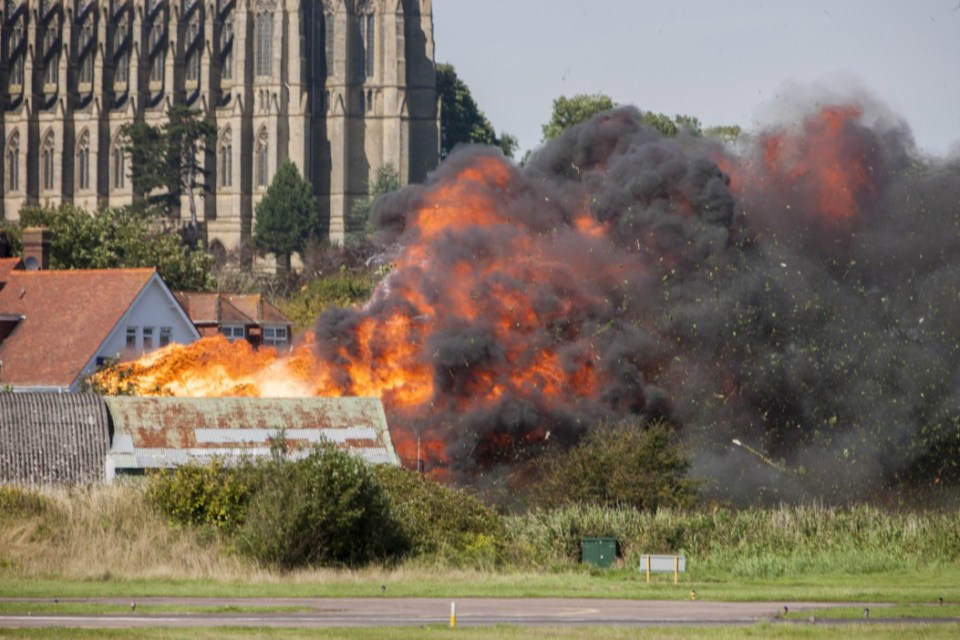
x=106, y=541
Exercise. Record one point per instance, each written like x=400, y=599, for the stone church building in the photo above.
x=341, y=87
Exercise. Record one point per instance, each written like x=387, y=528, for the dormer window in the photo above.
x=275, y=336
x=233, y=332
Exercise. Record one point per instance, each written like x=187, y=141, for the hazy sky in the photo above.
x=724, y=62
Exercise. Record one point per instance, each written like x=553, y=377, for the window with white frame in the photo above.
x=275, y=336
x=166, y=336
x=131, y=337
x=147, y=338
x=233, y=332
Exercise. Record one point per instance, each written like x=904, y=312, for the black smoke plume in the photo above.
x=798, y=293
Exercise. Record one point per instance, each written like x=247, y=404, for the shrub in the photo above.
x=215, y=494
x=632, y=465
x=436, y=519
x=323, y=510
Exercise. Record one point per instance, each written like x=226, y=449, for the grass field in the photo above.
x=107, y=542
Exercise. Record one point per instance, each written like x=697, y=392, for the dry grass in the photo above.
x=99, y=532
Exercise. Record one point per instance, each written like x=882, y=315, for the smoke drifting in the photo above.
x=799, y=294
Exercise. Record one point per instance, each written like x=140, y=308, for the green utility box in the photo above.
x=599, y=552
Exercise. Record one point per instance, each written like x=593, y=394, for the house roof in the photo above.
x=230, y=308
x=52, y=438
x=64, y=318
x=165, y=432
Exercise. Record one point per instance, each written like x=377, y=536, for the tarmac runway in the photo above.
x=385, y=611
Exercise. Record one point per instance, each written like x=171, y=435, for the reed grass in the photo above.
x=109, y=532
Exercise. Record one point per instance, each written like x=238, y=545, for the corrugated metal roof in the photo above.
x=163, y=432
x=50, y=438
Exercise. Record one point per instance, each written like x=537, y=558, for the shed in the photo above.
x=52, y=438
x=164, y=432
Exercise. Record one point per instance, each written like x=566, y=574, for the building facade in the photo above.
x=341, y=87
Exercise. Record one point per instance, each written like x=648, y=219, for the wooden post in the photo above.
x=676, y=569
x=648, y=567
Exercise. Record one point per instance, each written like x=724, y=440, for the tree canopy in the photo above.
x=461, y=120
x=570, y=111
x=388, y=179
x=286, y=215
x=164, y=162
x=119, y=238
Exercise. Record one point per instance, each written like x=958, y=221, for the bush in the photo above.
x=323, y=510
x=436, y=519
x=214, y=494
x=629, y=465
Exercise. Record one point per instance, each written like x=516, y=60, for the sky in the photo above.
x=727, y=63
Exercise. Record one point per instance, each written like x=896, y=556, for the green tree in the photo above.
x=629, y=464
x=164, y=158
x=119, y=238
x=358, y=225
x=286, y=215
x=461, y=120
x=570, y=111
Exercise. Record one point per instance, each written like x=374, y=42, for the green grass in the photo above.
x=439, y=632
x=909, y=587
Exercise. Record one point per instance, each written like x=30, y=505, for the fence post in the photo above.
x=676, y=569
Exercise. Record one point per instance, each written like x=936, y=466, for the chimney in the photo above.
x=36, y=248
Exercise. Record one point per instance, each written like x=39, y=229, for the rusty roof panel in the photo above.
x=208, y=426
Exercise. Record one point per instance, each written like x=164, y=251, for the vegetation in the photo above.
x=323, y=510
x=340, y=289
x=570, y=111
x=164, y=158
x=625, y=465
x=119, y=238
x=461, y=120
x=358, y=226
x=286, y=216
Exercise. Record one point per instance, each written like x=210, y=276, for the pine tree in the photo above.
x=285, y=216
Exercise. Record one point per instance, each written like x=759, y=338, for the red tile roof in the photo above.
x=230, y=308
x=66, y=316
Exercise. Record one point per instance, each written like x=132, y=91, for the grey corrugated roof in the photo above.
x=165, y=432
x=51, y=438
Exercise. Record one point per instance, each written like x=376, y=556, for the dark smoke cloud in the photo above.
x=720, y=296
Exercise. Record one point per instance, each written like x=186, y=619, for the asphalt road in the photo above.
x=351, y=612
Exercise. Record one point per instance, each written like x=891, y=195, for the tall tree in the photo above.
x=570, y=111
x=286, y=215
x=461, y=120
x=164, y=158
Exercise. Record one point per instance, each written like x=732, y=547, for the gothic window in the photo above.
x=261, y=158
x=13, y=162
x=157, y=52
x=119, y=165
x=226, y=50
x=86, y=50
x=47, y=163
x=14, y=55
x=51, y=52
x=193, y=51
x=121, y=53
x=263, y=39
x=328, y=41
x=83, y=161
x=365, y=17
x=226, y=159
